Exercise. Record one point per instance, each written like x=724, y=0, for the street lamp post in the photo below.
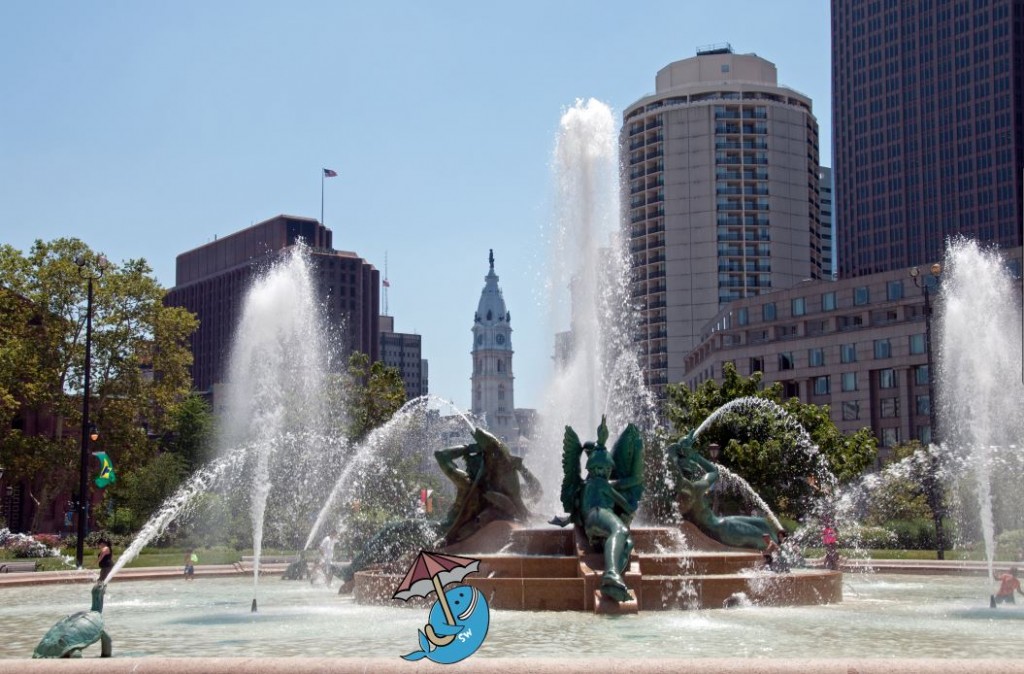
x=933, y=489
x=90, y=271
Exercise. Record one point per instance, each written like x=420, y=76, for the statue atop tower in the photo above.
x=492, y=381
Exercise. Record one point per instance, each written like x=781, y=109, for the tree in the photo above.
x=191, y=431
x=761, y=444
x=375, y=393
x=140, y=360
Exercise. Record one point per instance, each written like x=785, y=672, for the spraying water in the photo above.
x=276, y=379
x=396, y=429
x=597, y=370
x=201, y=482
x=979, y=375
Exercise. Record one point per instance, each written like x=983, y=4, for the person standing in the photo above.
x=831, y=542
x=327, y=557
x=106, y=558
x=1008, y=584
x=190, y=564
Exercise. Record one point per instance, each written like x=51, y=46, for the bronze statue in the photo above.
x=696, y=476
x=604, y=504
x=487, y=489
x=78, y=631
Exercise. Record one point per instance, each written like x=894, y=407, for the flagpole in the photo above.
x=322, y=175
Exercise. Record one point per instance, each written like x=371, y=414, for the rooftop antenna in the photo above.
x=386, y=283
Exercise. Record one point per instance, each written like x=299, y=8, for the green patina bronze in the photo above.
x=695, y=478
x=78, y=631
x=487, y=488
x=604, y=503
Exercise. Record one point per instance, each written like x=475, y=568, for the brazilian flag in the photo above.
x=106, y=475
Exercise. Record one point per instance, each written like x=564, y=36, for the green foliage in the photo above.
x=761, y=448
x=1011, y=544
x=43, y=301
x=140, y=492
x=900, y=498
x=192, y=428
x=375, y=393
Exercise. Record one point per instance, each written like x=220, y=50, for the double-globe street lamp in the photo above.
x=90, y=270
x=932, y=485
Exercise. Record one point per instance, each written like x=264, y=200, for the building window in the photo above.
x=861, y=296
x=894, y=290
x=924, y=407
x=849, y=381
x=828, y=301
x=501, y=365
x=790, y=389
x=848, y=353
x=917, y=344
x=851, y=410
x=883, y=349
x=768, y=312
x=816, y=357
x=742, y=316
x=887, y=378
x=924, y=434
x=786, y=361
x=756, y=365
x=799, y=306
x=890, y=437
x=821, y=386
x=890, y=408
x=501, y=393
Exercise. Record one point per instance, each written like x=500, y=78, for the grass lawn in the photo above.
x=148, y=557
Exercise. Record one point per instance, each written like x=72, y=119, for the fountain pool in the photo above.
x=881, y=616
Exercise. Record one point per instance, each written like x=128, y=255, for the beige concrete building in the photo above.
x=720, y=194
x=857, y=345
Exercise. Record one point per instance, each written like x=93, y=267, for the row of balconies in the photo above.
x=743, y=236
x=759, y=265
x=755, y=144
x=737, y=129
x=747, y=190
x=740, y=206
x=726, y=174
x=745, y=159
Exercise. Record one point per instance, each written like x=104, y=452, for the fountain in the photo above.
x=278, y=376
x=980, y=391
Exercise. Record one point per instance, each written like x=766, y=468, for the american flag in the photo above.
x=387, y=284
x=328, y=173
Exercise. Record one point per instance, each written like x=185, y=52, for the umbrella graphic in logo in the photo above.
x=458, y=620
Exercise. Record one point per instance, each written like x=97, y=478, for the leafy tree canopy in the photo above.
x=763, y=446
x=140, y=359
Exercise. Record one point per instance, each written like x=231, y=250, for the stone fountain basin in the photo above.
x=551, y=569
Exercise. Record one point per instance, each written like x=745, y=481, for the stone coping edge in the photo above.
x=136, y=665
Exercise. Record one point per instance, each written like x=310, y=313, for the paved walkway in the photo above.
x=504, y=666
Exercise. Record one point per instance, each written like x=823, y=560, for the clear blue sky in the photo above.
x=147, y=128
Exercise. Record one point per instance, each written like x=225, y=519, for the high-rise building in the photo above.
x=927, y=110
x=403, y=351
x=211, y=282
x=492, y=380
x=721, y=185
x=828, y=223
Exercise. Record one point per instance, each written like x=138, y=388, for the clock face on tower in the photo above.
x=500, y=339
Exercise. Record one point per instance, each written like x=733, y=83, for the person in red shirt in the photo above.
x=1008, y=584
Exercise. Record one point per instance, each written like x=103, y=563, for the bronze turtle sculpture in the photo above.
x=78, y=631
